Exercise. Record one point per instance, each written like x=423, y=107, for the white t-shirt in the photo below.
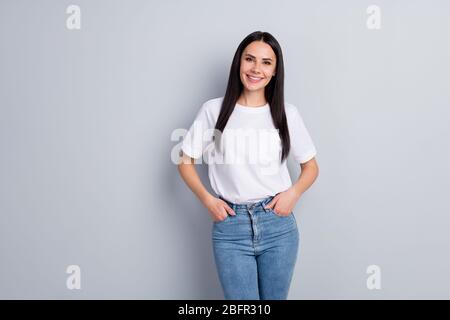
x=247, y=168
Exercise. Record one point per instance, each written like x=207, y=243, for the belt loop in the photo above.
x=264, y=205
x=269, y=198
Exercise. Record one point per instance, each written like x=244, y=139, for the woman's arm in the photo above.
x=217, y=208
x=284, y=202
x=309, y=173
x=189, y=174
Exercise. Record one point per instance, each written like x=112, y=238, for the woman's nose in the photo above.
x=255, y=71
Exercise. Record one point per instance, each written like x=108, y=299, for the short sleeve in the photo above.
x=197, y=137
x=302, y=146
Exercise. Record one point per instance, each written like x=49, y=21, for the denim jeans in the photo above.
x=255, y=252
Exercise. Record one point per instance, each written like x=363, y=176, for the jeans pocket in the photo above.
x=280, y=216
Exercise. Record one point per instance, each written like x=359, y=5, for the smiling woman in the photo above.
x=257, y=70
x=255, y=236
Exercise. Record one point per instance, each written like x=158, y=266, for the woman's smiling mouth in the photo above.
x=253, y=79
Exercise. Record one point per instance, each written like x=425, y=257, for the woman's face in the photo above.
x=258, y=64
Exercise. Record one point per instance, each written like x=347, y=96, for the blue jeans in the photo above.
x=255, y=252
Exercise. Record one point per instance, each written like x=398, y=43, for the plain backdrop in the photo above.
x=86, y=118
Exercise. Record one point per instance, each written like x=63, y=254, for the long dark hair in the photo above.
x=274, y=91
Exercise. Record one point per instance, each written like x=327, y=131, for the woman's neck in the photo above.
x=252, y=99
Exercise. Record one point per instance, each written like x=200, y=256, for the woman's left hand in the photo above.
x=284, y=202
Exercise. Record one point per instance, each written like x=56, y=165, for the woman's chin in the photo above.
x=251, y=87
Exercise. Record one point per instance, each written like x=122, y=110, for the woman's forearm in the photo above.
x=307, y=177
x=189, y=174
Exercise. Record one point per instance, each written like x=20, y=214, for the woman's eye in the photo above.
x=250, y=59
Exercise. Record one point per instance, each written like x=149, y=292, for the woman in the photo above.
x=255, y=236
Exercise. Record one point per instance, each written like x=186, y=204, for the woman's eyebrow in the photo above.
x=248, y=54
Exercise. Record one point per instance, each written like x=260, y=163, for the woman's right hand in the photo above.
x=218, y=209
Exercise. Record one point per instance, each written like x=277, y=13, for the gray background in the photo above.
x=86, y=119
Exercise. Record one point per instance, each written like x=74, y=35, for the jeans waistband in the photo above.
x=253, y=205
